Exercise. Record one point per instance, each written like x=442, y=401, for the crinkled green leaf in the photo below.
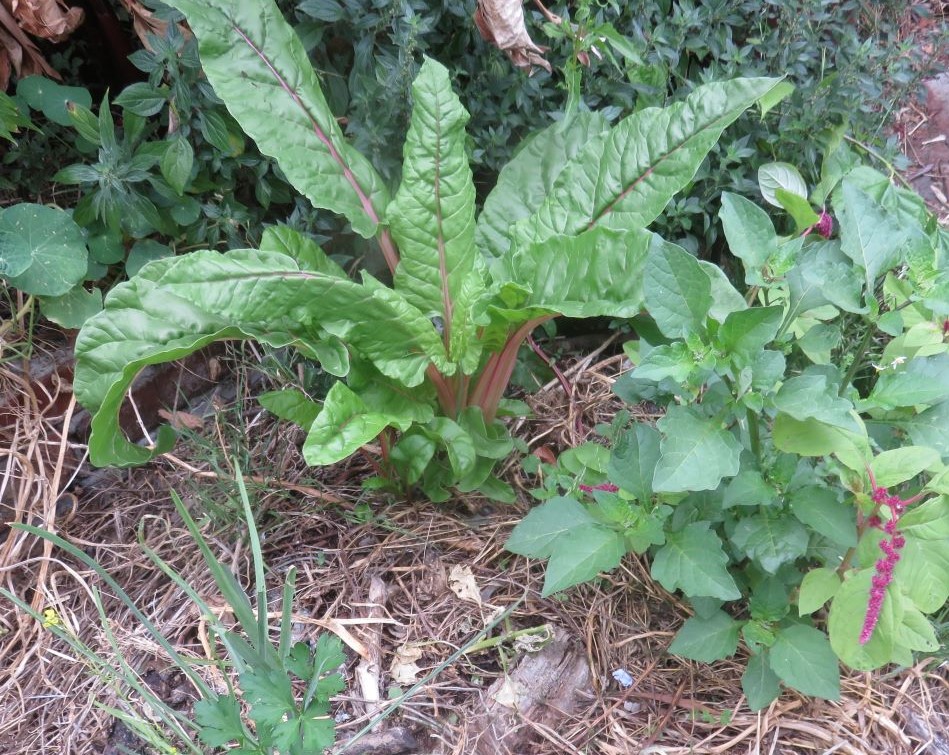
x=625, y=181
x=599, y=272
x=708, y=638
x=693, y=560
x=696, y=452
x=343, y=426
x=525, y=181
x=678, y=293
x=306, y=252
x=802, y=657
x=258, y=66
x=432, y=216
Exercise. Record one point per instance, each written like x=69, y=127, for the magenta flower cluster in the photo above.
x=891, y=546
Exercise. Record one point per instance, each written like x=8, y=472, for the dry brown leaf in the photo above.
x=182, y=420
x=144, y=22
x=462, y=582
x=47, y=19
x=404, y=669
x=18, y=54
x=501, y=22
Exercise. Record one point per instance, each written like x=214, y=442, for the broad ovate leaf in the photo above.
x=803, y=658
x=626, y=180
x=869, y=235
x=774, y=176
x=432, y=216
x=696, y=452
x=678, y=293
x=525, y=181
x=258, y=66
x=694, y=561
x=342, y=427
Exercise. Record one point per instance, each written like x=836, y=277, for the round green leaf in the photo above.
x=51, y=98
x=42, y=250
x=774, y=176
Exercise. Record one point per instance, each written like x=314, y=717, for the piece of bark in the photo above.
x=501, y=22
x=542, y=689
x=396, y=740
x=919, y=728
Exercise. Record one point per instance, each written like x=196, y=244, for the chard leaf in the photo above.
x=626, y=180
x=258, y=66
x=432, y=216
x=342, y=427
x=165, y=313
x=306, y=252
x=526, y=180
x=599, y=272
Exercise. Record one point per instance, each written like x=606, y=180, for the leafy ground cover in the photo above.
x=428, y=590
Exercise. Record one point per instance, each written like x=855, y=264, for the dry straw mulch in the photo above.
x=382, y=576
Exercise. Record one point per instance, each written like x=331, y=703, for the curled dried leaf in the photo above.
x=18, y=54
x=47, y=19
x=501, y=22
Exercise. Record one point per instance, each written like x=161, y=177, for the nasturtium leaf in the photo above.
x=707, y=639
x=759, y=683
x=845, y=623
x=677, y=292
x=922, y=380
x=802, y=657
x=774, y=176
x=812, y=396
x=633, y=461
x=869, y=235
x=176, y=163
x=693, y=560
x=696, y=452
x=821, y=510
x=42, y=250
x=525, y=181
x=587, y=551
x=771, y=541
x=291, y=405
x=898, y=465
x=144, y=251
x=51, y=98
x=534, y=536
x=750, y=234
x=342, y=427
x=259, y=68
x=817, y=587
x=72, y=309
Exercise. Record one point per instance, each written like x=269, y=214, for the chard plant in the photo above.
x=799, y=470
x=425, y=360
